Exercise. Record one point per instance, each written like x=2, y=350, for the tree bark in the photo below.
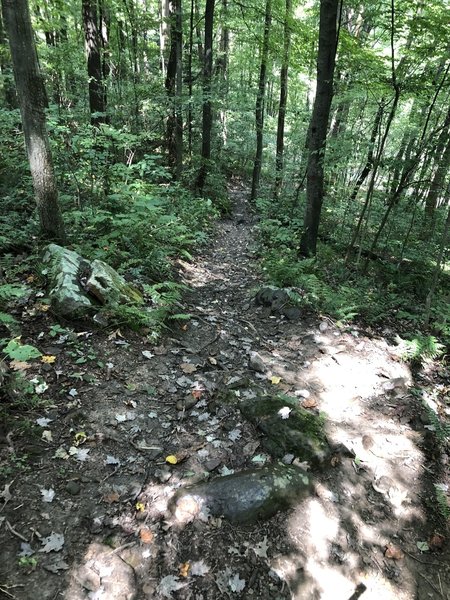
x=283, y=99
x=174, y=89
x=32, y=97
x=260, y=101
x=326, y=58
x=97, y=90
x=207, y=103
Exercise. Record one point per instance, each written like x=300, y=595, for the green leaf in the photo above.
x=17, y=351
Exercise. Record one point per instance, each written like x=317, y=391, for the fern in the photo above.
x=422, y=347
x=442, y=501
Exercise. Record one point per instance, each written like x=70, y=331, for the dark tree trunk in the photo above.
x=97, y=90
x=283, y=99
x=32, y=97
x=189, y=77
x=174, y=89
x=260, y=101
x=207, y=104
x=326, y=57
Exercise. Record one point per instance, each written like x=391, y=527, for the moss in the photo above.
x=302, y=434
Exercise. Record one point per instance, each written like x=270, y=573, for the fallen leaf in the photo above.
x=147, y=354
x=393, y=552
x=146, y=535
x=6, y=494
x=275, y=380
x=175, y=459
x=53, y=543
x=199, y=568
x=171, y=459
x=56, y=566
x=437, y=540
x=309, y=403
x=423, y=546
x=112, y=460
x=197, y=394
x=184, y=569
x=140, y=506
x=47, y=436
x=43, y=421
x=61, y=453
x=188, y=368
x=170, y=584
x=41, y=388
x=19, y=365
x=259, y=458
x=212, y=360
x=111, y=497
x=285, y=412
x=236, y=583
x=234, y=435
x=25, y=549
x=80, y=454
x=47, y=495
x=48, y=359
x=260, y=549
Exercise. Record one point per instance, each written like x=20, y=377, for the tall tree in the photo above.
x=174, y=89
x=97, y=89
x=207, y=116
x=32, y=101
x=260, y=101
x=283, y=98
x=326, y=58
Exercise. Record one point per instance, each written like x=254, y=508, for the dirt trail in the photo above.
x=107, y=534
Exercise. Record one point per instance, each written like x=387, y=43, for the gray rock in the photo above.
x=243, y=497
x=301, y=433
x=256, y=362
x=67, y=297
x=73, y=488
x=108, y=287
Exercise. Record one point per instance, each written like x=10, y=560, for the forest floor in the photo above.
x=86, y=488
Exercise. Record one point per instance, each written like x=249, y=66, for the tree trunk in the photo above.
x=189, y=77
x=9, y=93
x=174, y=89
x=283, y=99
x=260, y=97
x=31, y=94
x=326, y=57
x=207, y=103
x=97, y=91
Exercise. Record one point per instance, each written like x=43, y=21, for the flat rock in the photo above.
x=288, y=428
x=243, y=497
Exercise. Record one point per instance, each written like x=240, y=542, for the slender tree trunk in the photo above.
x=283, y=99
x=189, y=76
x=207, y=102
x=174, y=89
x=164, y=35
x=9, y=93
x=260, y=101
x=442, y=165
x=326, y=57
x=97, y=90
x=438, y=268
x=32, y=97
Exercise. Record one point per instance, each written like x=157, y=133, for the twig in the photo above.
x=16, y=533
x=112, y=473
x=424, y=562
x=120, y=548
x=5, y=591
x=432, y=585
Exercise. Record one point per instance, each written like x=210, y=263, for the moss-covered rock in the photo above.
x=243, y=497
x=109, y=287
x=288, y=428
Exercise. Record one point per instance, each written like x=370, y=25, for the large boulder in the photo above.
x=243, y=497
x=79, y=287
x=288, y=428
x=66, y=294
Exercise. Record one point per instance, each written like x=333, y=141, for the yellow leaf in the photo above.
x=80, y=438
x=43, y=307
x=184, y=569
x=171, y=459
x=275, y=380
x=48, y=359
x=140, y=506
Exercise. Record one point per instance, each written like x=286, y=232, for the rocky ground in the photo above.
x=87, y=488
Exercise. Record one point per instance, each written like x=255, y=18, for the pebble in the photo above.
x=73, y=488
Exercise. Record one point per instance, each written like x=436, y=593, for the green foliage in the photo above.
x=422, y=347
x=23, y=352
x=442, y=502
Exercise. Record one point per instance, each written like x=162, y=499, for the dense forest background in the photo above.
x=136, y=113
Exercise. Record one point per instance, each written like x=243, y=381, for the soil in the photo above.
x=86, y=495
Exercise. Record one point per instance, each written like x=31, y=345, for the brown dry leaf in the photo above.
x=43, y=307
x=309, y=403
x=188, y=368
x=212, y=360
x=146, y=535
x=436, y=542
x=19, y=365
x=184, y=569
x=184, y=327
x=335, y=460
x=197, y=394
x=393, y=552
x=115, y=334
x=111, y=497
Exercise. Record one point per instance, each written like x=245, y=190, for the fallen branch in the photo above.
x=16, y=533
